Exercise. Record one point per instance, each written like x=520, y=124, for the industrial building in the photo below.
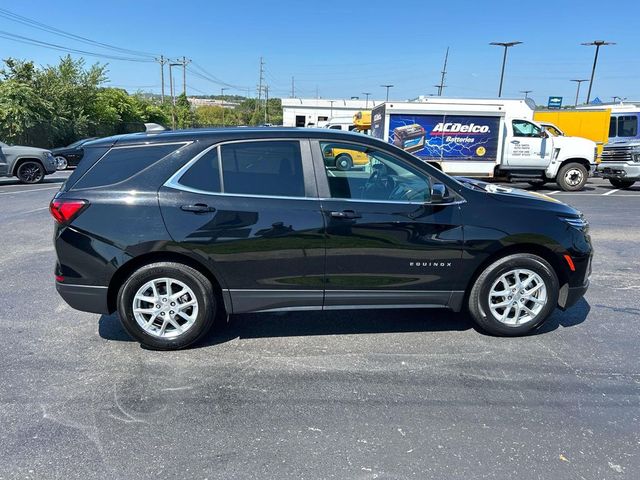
x=305, y=112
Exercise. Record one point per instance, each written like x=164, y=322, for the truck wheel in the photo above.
x=30, y=171
x=344, y=162
x=572, y=177
x=514, y=295
x=618, y=183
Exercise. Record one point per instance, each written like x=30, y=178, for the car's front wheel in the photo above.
x=514, y=295
x=167, y=305
x=344, y=162
x=30, y=171
x=61, y=163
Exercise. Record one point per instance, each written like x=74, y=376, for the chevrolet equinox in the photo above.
x=177, y=230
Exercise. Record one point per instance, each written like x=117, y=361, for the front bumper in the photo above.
x=87, y=298
x=620, y=170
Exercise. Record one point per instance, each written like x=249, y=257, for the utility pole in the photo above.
x=266, y=104
x=173, y=96
x=444, y=73
x=293, y=87
x=597, y=44
x=162, y=61
x=387, y=87
x=526, y=93
x=260, y=85
x=222, y=98
x=579, y=81
x=184, y=75
x=317, y=93
x=506, y=46
x=331, y=114
x=367, y=99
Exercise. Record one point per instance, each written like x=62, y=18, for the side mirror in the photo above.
x=438, y=193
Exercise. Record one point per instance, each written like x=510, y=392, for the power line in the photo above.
x=48, y=28
x=54, y=46
x=212, y=78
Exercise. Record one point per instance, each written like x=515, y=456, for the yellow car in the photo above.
x=344, y=159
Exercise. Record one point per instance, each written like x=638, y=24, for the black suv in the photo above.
x=177, y=230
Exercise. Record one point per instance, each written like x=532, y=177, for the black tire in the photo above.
x=193, y=279
x=479, y=296
x=619, y=183
x=344, y=161
x=537, y=183
x=30, y=172
x=572, y=177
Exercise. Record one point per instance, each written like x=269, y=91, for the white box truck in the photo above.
x=485, y=138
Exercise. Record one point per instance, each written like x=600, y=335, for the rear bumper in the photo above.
x=87, y=298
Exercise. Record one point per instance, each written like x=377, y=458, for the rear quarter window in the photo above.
x=121, y=163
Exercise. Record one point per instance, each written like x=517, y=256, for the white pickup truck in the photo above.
x=485, y=138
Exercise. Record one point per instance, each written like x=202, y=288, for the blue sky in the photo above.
x=346, y=48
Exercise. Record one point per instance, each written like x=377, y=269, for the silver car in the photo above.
x=29, y=164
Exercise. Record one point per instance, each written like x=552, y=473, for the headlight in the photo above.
x=636, y=157
x=576, y=222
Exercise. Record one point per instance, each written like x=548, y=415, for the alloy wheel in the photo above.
x=517, y=297
x=165, y=307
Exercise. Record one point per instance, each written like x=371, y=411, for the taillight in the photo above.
x=63, y=211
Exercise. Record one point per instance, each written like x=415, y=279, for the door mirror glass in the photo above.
x=438, y=193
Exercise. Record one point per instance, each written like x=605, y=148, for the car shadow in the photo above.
x=344, y=322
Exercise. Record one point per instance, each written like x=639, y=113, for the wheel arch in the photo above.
x=19, y=161
x=541, y=251
x=583, y=161
x=122, y=273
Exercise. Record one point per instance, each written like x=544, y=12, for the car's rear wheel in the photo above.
x=167, y=305
x=30, y=171
x=572, y=177
x=61, y=163
x=344, y=162
x=618, y=183
x=514, y=295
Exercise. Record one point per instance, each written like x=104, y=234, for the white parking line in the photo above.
x=30, y=190
x=611, y=191
x=36, y=210
x=554, y=192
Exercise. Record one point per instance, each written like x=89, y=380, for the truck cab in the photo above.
x=621, y=156
x=533, y=154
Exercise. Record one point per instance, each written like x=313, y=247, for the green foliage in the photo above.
x=58, y=104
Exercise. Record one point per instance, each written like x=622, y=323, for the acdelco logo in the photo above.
x=443, y=127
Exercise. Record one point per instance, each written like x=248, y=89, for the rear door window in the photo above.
x=272, y=168
x=204, y=175
x=121, y=163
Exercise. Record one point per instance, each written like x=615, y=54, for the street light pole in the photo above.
x=367, y=100
x=222, y=99
x=387, y=87
x=578, y=81
x=526, y=93
x=506, y=46
x=173, y=96
x=597, y=44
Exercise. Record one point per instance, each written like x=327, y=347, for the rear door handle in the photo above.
x=197, y=208
x=345, y=214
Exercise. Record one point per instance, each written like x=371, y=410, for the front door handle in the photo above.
x=198, y=208
x=515, y=142
x=345, y=214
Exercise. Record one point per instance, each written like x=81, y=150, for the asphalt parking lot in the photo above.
x=358, y=395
